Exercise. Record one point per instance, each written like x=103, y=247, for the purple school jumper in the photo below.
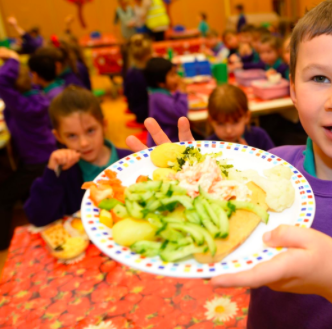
x=54, y=89
x=70, y=78
x=84, y=75
x=30, y=44
x=136, y=91
x=278, y=310
x=255, y=137
x=27, y=118
x=166, y=109
x=53, y=197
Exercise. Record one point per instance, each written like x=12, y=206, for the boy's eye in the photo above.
x=71, y=136
x=320, y=79
x=91, y=130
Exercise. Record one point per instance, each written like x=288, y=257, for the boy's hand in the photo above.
x=6, y=53
x=305, y=268
x=12, y=21
x=158, y=134
x=245, y=49
x=235, y=66
x=64, y=158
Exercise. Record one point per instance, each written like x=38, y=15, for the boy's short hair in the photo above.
x=23, y=80
x=247, y=28
x=140, y=47
x=227, y=103
x=43, y=65
x=239, y=7
x=156, y=71
x=314, y=23
x=226, y=32
x=74, y=99
x=272, y=41
x=204, y=16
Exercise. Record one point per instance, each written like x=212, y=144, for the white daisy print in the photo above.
x=220, y=309
x=102, y=325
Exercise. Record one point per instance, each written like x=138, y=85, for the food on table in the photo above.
x=72, y=248
x=196, y=205
x=198, y=105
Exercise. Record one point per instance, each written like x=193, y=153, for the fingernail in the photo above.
x=267, y=237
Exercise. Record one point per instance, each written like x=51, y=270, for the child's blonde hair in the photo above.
x=74, y=99
x=314, y=23
x=227, y=103
x=140, y=47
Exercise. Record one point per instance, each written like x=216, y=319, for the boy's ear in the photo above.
x=292, y=91
x=57, y=136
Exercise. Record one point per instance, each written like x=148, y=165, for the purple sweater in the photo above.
x=136, y=91
x=53, y=197
x=70, y=78
x=27, y=118
x=30, y=44
x=277, y=310
x=84, y=75
x=167, y=109
x=255, y=137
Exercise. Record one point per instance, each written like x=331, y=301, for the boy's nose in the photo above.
x=83, y=142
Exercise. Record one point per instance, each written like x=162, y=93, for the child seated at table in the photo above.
x=231, y=41
x=286, y=54
x=79, y=125
x=167, y=100
x=27, y=119
x=215, y=46
x=229, y=117
x=66, y=68
x=135, y=87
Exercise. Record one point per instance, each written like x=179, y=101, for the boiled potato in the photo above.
x=164, y=153
x=105, y=218
x=129, y=231
x=163, y=174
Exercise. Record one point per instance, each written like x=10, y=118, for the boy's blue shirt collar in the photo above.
x=31, y=93
x=66, y=71
x=91, y=171
x=160, y=90
x=309, y=159
x=55, y=84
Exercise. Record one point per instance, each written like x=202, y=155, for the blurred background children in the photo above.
x=31, y=40
x=215, y=47
x=242, y=18
x=286, y=54
x=140, y=16
x=167, y=99
x=203, y=26
x=229, y=117
x=135, y=87
x=26, y=116
x=125, y=16
x=231, y=41
x=79, y=125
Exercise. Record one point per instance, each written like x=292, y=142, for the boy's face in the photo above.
x=246, y=37
x=83, y=133
x=231, y=131
x=311, y=91
x=172, y=80
x=212, y=41
x=231, y=41
x=267, y=54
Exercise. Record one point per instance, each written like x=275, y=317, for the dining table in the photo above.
x=103, y=40
x=95, y=291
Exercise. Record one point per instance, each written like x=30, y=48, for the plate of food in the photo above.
x=194, y=209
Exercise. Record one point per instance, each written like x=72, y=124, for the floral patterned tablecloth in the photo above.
x=36, y=291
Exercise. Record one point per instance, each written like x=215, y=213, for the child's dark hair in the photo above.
x=43, y=65
x=156, y=71
x=227, y=32
x=227, y=103
x=314, y=23
x=239, y=7
x=74, y=99
x=204, y=16
x=272, y=41
x=247, y=28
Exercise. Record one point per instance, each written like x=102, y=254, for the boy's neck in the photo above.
x=103, y=157
x=323, y=164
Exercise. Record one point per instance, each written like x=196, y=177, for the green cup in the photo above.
x=219, y=72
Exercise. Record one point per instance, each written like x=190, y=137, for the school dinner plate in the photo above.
x=250, y=253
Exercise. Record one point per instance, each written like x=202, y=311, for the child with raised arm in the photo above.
x=167, y=100
x=26, y=116
x=79, y=125
x=229, y=117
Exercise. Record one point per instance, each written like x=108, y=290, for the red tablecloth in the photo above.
x=38, y=292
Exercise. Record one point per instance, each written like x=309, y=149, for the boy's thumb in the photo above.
x=288, y=236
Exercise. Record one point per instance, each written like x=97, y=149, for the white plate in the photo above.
x=250, y=253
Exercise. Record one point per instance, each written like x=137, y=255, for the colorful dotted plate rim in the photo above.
x=101, y=236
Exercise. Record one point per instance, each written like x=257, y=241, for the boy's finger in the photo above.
x=156, y=132
x=289, y=237
x=185, y=134
x=135, y=144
